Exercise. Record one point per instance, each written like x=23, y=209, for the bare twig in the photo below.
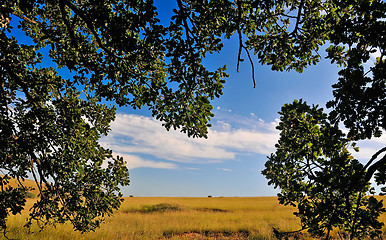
x=241, y=45
x=252, y=65
x=239, y=16
x=25, y=18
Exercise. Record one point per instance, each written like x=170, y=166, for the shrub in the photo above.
x=30, y=195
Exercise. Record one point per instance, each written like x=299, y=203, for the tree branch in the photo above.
x=89, y=25
x=22, y=84
x=252, y=65
x=298, y=17
x=241, y=45
x=354, y=221
x=189, y=40
x=375, y=157
x=25, y=18
x=370, y=172
x=186, y=26
x=239, y=33
x=67, y=21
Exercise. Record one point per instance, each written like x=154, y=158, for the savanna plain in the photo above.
x=179, y=218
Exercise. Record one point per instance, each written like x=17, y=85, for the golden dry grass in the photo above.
x=255, y=216
x=26, y=183
x=180, y=218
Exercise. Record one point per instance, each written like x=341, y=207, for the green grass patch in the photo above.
x=242, y=234
x=161, y=207
x=205, y=209
x=156, y=208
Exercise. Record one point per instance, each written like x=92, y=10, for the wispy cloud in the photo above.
x=373, y=58
x=192, y=168
x=133, y=161
x=134, y=135
x=143, y=142
x=367, y=148
x=224, y=169
x=375, y=55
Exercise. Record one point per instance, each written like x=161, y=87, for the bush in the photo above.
x=162, y=207
x=30, y=195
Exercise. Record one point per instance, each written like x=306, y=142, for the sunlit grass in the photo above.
x=29, y=184
x=170, y=218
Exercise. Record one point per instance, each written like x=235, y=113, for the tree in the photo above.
x=51, y=121
x=316, y=173
x=312, y=165
x=119, y=51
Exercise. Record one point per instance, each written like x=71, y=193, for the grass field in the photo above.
x=176, y=218
x=179, y=218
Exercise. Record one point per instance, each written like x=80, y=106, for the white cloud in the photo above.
x=223, y=109
x=381, y=140
x=365, y=153
x=133, y=161
x=224, y=169
x=373, y=58
x=375, y=55
x=367, y=148
x=222, y=126
x=192, y=168
x=245, y=140
x=133, y=134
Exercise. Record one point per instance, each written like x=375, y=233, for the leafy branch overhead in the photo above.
x=119, y=51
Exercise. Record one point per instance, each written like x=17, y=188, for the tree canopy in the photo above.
x=119, y=51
